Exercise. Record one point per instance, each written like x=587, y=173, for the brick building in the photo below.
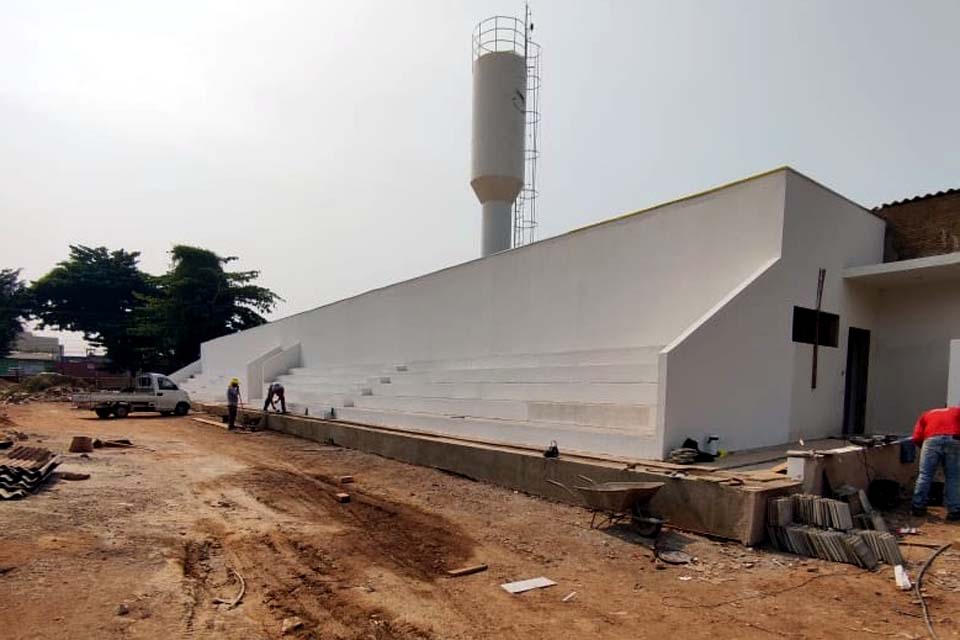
x=922, y=226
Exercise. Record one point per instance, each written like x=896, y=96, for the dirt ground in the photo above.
x=141, y=549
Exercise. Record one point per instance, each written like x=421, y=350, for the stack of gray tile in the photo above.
x=822, y=512
x=818, y=527
x=883, y=544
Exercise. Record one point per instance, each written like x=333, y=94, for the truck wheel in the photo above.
x=122, y=411
x=182, y=409
x=103, y=414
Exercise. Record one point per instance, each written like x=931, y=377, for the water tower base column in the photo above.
x=497, y=226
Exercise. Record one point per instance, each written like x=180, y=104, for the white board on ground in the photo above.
x=527, y=585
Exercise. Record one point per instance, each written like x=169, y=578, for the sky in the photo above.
x=326, y=144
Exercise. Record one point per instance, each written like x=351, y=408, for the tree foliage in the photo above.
x=96, y=291
x=195, y=301
x=13, y=300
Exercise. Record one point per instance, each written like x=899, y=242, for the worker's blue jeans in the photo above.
x=936, y=451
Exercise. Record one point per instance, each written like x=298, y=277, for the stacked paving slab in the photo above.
x=598, y=401
x=817, y=527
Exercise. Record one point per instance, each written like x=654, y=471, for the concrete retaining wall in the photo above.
x=701, y=504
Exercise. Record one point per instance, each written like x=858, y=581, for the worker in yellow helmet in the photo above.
x=233, y=399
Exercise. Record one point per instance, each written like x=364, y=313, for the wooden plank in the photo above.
x=466, y=571
x=207, y=421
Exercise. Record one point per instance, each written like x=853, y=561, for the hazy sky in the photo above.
x=327, y=143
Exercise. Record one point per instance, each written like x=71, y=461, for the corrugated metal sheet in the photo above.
x=945, y=192
x=23, y=470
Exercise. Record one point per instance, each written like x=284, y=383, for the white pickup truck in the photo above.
x=154, y=392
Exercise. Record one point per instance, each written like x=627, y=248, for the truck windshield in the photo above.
x=166, y=384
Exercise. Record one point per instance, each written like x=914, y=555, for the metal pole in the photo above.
x=816, y=327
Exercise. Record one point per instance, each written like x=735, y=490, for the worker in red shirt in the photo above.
x=938, y=431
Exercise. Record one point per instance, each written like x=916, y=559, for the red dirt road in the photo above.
x=141, y=549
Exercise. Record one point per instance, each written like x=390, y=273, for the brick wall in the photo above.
x=925, y=227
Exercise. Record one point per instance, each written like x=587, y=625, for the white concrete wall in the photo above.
x=910, y=366
x=635, y=281
x=953, y=375
x=184, y=373
x=253, y=380
x=823, y=229
x=737, y=373
x=280, y=363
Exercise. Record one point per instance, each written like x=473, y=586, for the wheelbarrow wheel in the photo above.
x=645, y=524
x=647, y=528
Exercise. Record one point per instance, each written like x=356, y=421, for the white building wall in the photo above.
x=824, y=230
x=911, y=352
x=738, y=374
x=953, y=375
x=635, y=281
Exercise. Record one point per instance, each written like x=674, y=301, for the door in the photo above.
x=855, y=395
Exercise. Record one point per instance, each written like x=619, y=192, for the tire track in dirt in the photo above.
x=417, y=544
x=293, y=570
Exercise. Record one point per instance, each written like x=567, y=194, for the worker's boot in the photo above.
x=953, y=515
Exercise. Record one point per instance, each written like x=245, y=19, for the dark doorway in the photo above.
x=855, y=395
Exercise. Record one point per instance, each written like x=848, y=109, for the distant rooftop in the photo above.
x=917, y=198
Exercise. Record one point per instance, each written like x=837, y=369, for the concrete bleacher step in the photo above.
x=613, y=373
x=629, y=355
x=598, y=393
x=364, y=371
x=293, y=385
x=592, y=414
x=620, y=442
x=322, y=399
x=321, y=376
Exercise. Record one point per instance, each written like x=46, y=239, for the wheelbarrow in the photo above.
x=616, y=502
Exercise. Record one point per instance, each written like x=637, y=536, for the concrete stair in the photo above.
x=206, y=387
x=599, y=401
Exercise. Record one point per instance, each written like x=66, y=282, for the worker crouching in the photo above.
x=275, y=393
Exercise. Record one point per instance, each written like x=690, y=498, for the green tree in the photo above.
x=197, y=300
x=96, y=292
x=13, y=300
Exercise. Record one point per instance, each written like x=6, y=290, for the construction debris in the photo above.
x=342, y=497
x=527, y=585
x=81, y=444
x=345, y=479
x=290, y=625
x=44, y=387
x=215, y=423
x=71, y=475
x=683, y=455
x=466, y=571
x=918, y=589
x=23, y=470
x=236, y=600
x=120, y=443
x=900, y=576
x=570, y=596
x=675, y=557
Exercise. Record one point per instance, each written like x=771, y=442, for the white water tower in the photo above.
x=500, y=118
